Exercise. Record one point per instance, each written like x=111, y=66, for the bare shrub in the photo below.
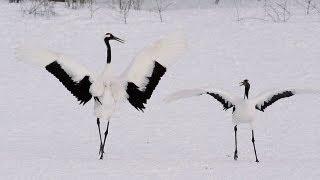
x=39, y=8
x=162, y=5
x=14, y=1
x=311, y=6
x=137, y=4
x=92, y=8
x=75, y=4
x=277, y=11
x=125, y=9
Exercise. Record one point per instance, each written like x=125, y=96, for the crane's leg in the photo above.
x=254, y=146
x=104, y=141
x=98, y=123
x=235, y=157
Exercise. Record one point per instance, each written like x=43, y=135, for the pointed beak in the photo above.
x=118, y=39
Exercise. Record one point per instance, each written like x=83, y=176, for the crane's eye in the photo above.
x=108, y=35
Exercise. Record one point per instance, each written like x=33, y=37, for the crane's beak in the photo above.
x=241, y=83
x=118, y=39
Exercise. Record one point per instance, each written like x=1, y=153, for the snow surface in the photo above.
x=45, y=134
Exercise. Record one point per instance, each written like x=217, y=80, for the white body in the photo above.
x=110, y=90
x=244, y=111
x=108, y=106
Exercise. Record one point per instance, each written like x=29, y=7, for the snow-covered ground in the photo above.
x=45, y=134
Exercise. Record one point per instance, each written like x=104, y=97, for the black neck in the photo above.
x=108, y=51
x=246, y=91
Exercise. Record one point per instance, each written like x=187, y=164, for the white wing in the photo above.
x=75, y=77
x=164, y=51
x=43, y=57
x=221, y=96
x=145, y=71
x=265, y=99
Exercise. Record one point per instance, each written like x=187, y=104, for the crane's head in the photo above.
x=246, y=84
x=109, y=36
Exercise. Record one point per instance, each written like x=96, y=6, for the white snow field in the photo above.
x=45, y=134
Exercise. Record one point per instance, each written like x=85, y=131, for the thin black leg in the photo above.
x=235, y=157
x=254, y=146
x=104, y=141
x=98, y=123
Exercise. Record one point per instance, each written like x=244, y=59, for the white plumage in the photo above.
x=32, y=54
x=135, y=84
x=164, y=51
x=267, y=95
x=197, y=92
x=243, y=109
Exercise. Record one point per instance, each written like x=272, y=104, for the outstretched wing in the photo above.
x=145, y=71
x=223, y=97
x=76, y=78
x=265, y=99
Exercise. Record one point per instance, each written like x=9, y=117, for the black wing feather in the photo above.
x=138, y=98
x=226, y=104
x=79, y=89
x=273, y=99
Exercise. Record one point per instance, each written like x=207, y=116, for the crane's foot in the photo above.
x=101, y=149
x=257, y=160
x=101, y=156
x=235, y=156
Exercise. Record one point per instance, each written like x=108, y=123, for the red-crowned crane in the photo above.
x=136, y=84
x=243, y=109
